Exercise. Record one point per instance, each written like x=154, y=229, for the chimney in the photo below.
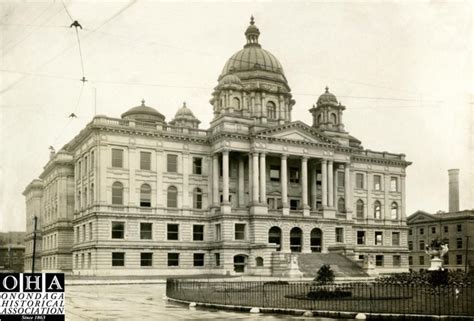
x=453, y=190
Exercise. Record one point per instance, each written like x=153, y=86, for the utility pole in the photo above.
x=34, y=245
x=467, y=254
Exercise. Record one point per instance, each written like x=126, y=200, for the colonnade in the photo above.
x=257, y=181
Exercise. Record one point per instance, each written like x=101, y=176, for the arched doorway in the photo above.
x=316, y=240
x=296, y=237
x=240, y=261
x=274, y=236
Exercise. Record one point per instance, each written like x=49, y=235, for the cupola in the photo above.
x=144, y=113
x=185, y=118
x=327, y=113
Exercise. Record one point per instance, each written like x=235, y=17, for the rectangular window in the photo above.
x=146, y=231
x=92, y=161
x=459, y=243
x=146, y=259
x=379, y=260
x=118, y=259
x=396, y=260
x=197, y=165
x=275, y=173
x=217, y=257
x=90, y=231
x=393, y=184
x=395, y=238
x=173, y=232
x=294, y=204
x=422, y=260
x=117, y=157
x=79, y=167
x=198, y=259
x=294, y=175
x=459, y=259
x=410, y=232
x=118, y=230
x=172, y=163
x=377, y=182
x=340, y=179
x=361, y=237
x=89, y=260
x=239, y=231
x=84, y=232
x=446, y=229
x=422, y=231
x=459, y=228
x=85, y=165
x=359, y=181
x=83, y=261
x=410, y=245
x=198, y=232
x=145, y=161
x=410, y=260
x=218, y=232
x=339, y=235
x=433, y=230
x=173, y=259
x=378, y=238
x=421, y=245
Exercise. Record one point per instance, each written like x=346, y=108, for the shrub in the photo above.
x=325, y=275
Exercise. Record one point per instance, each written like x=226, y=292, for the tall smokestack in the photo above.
x=453, y=190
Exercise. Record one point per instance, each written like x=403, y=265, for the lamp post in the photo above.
x=35, y=219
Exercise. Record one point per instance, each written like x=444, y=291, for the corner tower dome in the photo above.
x=144, y=114
x=185, y=118
x=252, y=85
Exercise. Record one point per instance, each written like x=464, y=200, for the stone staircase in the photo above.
x=310, y=263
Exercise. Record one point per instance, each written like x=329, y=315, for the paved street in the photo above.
x=142, y=302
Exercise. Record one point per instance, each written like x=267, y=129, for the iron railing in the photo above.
x=351, y=297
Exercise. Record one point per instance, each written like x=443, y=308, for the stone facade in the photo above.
x=455, y=227
x=152, y=197
x=12, y=250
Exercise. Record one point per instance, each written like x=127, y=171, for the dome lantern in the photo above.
x=327, y=113
x=252, y=33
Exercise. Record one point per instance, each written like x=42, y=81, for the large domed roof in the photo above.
x=253, y=58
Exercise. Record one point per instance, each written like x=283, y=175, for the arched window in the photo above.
x=296, y=236
x=320, y=119
x=259, y=261
x=197, y=198
x=360, y=208
x=377, y=210
x=274, y=236
x=236, y=103
x=240, y=261
x=117, y=193
x=172, y=197
x=394, y=211
x=145, y=195
x=333, y=119
x=92, y=193
x=271, y=110
x=341, y=205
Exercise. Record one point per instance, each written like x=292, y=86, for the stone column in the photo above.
x=347, y=188
x=304, y=185
x=225, y=177
x=330, y=184
x=314, y=189
x=402, y=209
x=132, y=188
x=215, y=180
x=324, y=183
x=284, y=185
x=241, y=182
x=250, y=178
x=185, y=171
x=263, y=180
x=387, y=203
x=255, y=178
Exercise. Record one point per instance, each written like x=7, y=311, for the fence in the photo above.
x=352, y=297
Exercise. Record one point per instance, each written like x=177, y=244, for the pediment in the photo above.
x=420, y=216
x=297, y=131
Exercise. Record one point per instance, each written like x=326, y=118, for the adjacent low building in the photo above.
x=12, y=249
x=455, y=226
x=140, y=195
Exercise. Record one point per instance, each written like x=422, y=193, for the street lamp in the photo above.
x=35, y=219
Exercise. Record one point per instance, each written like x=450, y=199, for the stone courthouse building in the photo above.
x=140, y=195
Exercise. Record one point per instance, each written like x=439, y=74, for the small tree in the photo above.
x=325, y=275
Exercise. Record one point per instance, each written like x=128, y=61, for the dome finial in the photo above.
x=184, y=104
x=252, y=33
x=143, y=102
x=252, y=20
x=327, y=89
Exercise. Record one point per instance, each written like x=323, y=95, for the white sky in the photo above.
x=403, y=69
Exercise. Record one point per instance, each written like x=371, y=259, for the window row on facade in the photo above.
x=422, y=245
x=434, y=229
x=378, y=238
x=424, y=260
x=377, y=182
